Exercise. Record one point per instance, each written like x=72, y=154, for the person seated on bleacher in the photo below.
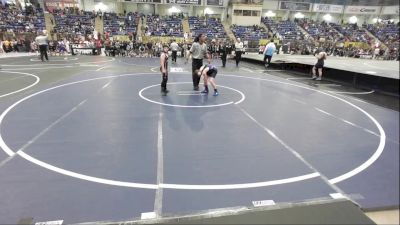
x=142, y=50
x=7, y=46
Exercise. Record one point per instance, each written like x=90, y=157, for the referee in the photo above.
x=42, y=42
x=198, y=51
x=238, y=51
x=174, y=48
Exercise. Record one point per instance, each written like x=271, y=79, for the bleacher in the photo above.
x=386, y=33
x=211, y=27
x=336, y=26
x=249, y=33
x=71, y=23
x=14, y=20
x=286, y=30
x=352, y=32
x=320, y=31
x=164, y=26
x=114, y=24
x=131, y=22
x=67, y=22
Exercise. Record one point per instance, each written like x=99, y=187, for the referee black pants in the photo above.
x=174, y=54
x=238, y=57
x=196, y=64
x=43, y=52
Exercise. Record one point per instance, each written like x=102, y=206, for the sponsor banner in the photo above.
x=142, y=1
x=215, y=2
x=294, y=6
x=390, y=10
x=327, y=8
x=54, y=4
x=147, y=1
x=352, y=9
x=184, y=2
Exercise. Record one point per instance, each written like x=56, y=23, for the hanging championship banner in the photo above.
x=295, y=6
x=353, y=9
x=184, y=2
x=327, y=8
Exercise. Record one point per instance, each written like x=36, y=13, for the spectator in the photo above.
x=270, y=48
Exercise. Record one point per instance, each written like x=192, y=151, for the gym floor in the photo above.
x=88, y=138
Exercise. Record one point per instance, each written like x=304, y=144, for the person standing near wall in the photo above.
x=198, y=51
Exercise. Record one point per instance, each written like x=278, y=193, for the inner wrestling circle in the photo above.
x=194, y=99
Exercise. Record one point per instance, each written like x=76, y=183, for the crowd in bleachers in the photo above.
x=164, y=26
x=212, y=27
x=131, y=22
x=354, y=33
x=72, y=25
x=15, y=20
x=73, y=22
x=249, y=33
x=115, y=24
x=138, y=49
x=285, y=30
x=387, y=33
x=321, y=31
x=331, y=37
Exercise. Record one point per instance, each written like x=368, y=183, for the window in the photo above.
x=237, y=12
x=246, y=12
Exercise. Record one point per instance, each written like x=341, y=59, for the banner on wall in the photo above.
x=327, y=8
x=142, y=1
x=294, y=6
x=53, y=4
x=356, y=44
x=184, y=2
x=258, y=2
x=215, y=2
x=390, y=10
x=146, y=1
x=352, y=9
